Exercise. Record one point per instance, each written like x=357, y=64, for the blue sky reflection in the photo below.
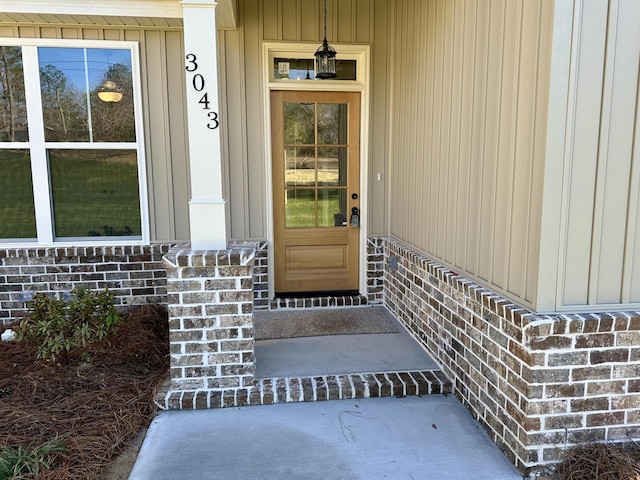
x=71, y=61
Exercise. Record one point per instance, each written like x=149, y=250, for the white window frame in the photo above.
x=38, y=147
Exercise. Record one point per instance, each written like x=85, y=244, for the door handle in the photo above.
x=355, y=217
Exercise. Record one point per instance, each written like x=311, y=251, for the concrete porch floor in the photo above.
x=405, y=435
x=341, y=354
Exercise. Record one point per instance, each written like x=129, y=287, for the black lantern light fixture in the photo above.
x=325, y=55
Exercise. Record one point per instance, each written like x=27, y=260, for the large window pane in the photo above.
x=13, y=107
x=17, y=212
x=95, y=193
x=87, y=94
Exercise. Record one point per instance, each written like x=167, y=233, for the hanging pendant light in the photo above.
x=325, y=55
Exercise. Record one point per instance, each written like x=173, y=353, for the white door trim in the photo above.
x=360, y=53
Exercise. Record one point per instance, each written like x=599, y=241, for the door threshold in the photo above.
x=320, y=300
x=318, y=294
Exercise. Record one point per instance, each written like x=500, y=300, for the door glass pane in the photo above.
x=95, y=193
x=300, y=166
x=332, y=210
x=332, y=166
x=332, y=123
x=17, y=211
x=13, y=107
x=299, y=123
x=300, y=208
x=87, y=94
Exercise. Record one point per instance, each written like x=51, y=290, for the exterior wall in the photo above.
x=348, y=21
x=599, y=251
x=135, y=275
x=466, y=160
x=162, y=74
x=474, y=161
x=537, y=383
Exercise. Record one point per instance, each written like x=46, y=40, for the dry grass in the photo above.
x=97, y=409
x=601, y=462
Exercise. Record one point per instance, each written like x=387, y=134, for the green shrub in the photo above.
x=62, y=328
x=27, y=462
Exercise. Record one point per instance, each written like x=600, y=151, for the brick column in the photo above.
x=210, y=300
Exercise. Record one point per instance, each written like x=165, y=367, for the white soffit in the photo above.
x=143, y=13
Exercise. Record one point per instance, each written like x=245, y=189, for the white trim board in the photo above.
x=360, y=53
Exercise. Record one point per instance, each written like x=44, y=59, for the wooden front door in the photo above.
x=316, y=175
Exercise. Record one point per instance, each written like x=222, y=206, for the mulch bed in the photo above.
x=602, y=461
x=97, y=408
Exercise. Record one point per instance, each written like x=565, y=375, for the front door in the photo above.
x=316, y=199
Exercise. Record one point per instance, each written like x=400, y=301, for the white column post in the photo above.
x=207, y=215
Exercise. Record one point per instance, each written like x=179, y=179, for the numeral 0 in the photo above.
x=198, y=82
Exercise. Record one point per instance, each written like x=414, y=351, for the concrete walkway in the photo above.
x=431, y=437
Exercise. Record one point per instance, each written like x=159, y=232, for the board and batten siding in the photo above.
x=348, y=21
x=463, y=164
x=469, y=96
x=162, y=77
x=600, y=226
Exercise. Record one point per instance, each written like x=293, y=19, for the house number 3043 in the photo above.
x=198, y=83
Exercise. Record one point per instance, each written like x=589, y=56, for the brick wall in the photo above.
x=375, y=271
x=210, y=303
x=134, y=274
x=261, y=276
x=537, y=383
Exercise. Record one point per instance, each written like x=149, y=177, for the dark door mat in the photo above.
x=316, y=323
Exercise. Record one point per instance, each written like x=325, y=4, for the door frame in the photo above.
x=360, y=53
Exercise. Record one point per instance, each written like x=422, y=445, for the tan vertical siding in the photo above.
x=466, y=194
x=272, y=20
x=290, y=20
x=458, y=123
x=270, y=17
x=163, y=89
x=236, y=142
x=245, y=80
x=599, y=254
x=378, y=165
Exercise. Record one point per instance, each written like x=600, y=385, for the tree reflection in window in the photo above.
x=71, y=79
x=13, y=107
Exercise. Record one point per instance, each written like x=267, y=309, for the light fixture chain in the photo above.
x=325, y=19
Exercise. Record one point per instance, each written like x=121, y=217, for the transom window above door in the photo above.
x=71, y=154
x=303, y=69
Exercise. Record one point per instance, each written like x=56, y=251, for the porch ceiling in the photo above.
x=131, y=13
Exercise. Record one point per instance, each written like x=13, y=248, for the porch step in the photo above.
x=268, y=391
